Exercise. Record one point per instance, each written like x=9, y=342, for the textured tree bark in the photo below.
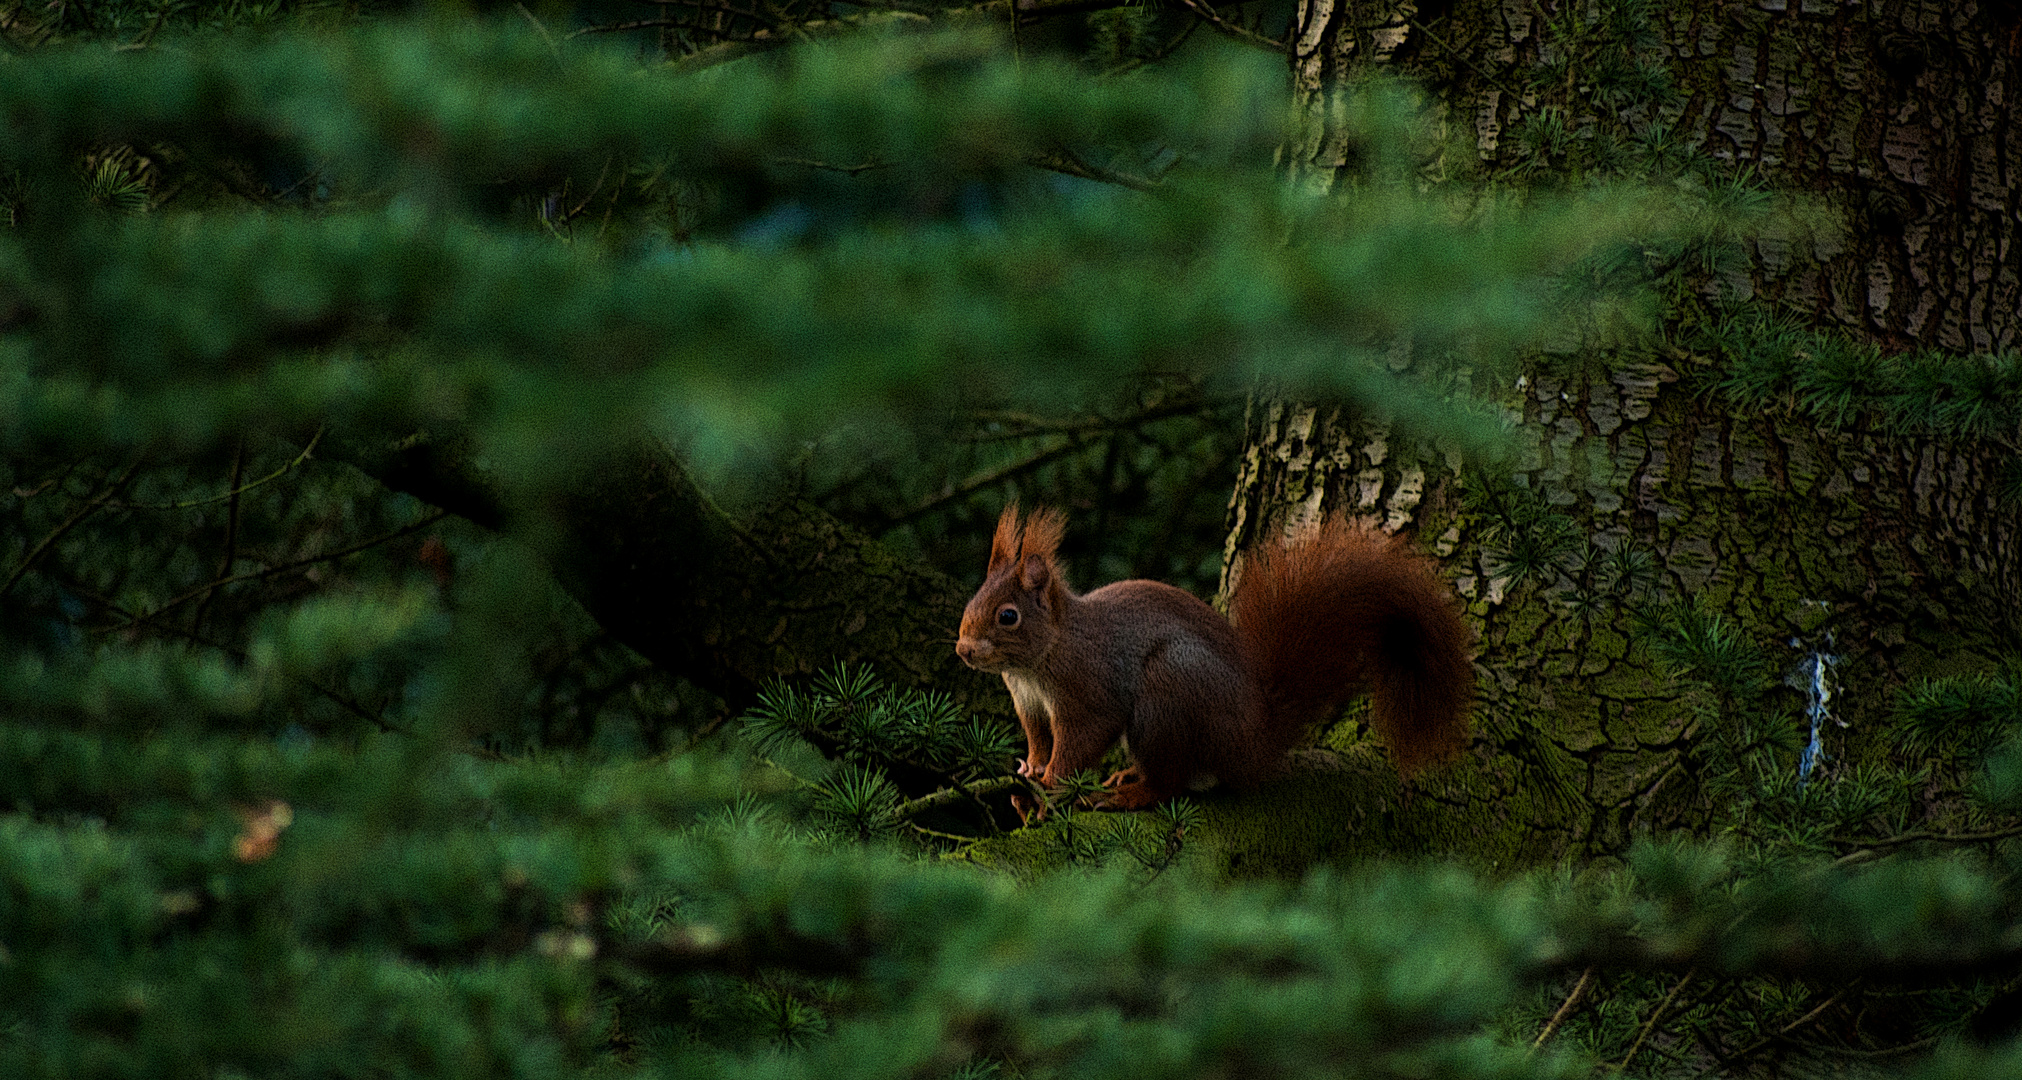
x=1889, y=554
x=1897, y=114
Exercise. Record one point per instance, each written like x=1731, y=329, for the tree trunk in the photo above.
x=1896, y=114
x=1882, y=557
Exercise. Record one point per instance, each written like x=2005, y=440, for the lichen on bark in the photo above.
x=1888, y=550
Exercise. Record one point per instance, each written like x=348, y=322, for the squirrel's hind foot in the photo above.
x=1128, y=791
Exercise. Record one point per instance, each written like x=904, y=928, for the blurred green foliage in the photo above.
x=300, y=776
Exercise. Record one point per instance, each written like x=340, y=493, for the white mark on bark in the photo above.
x=1296, y=448
x=1314, y=16
x=1904, y=150
x=1920, y=316
x=1377, y=450
x=1388, y=38
x=1410, y=490
x=1368, y=488
x=1307, y=515
x=1488, y=125
x=1881, y=282
x=1925, y=481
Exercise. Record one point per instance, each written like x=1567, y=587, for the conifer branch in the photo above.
x=847, y=170
x=1462, y=57
x=275, y=571
x=1651, y=1025
x=231, y=553
x=983, y=481
x=959, y=792
x=553, y=49
x=725, y=51
x=1068, y=163
x=1867, y=848
x=939, y=835
x=342, y=700
x=235, y=489
x=1753, y=1048
x=1565, y=1009
x=76, y=518
x=1208, y=15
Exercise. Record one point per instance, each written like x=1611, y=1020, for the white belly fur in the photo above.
x=1029, y=697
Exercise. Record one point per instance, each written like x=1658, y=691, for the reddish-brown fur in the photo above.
x=1342, y=610
x=1337, y=612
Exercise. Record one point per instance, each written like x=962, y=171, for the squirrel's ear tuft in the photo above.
x=1036, y=572
x=1043, y=533
x=1004, y=545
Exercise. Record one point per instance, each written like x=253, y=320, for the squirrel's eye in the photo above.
x=1007, y=616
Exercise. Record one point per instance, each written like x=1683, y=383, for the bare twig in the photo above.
x=612, y=28
x=344, y=701
x=1881, y=1052
x=725, y=51
x=1163, y=51
x=642, y=24
x=1566, y=1007
x=1076, y=434
x=1249, y=37
x=988, y=479
x=714, y=725
x=1783, y=1032
x=237, y=490
x=581, y=206
x=275, y=571
x=553, y=48
x=1069, y=163
x=1462, y=57
x=751, y=13
x=70, y=523
x=848, y=170
x=231, y=554
x=1030, y=424
x=936, y=833
x=943, y=797
x=1867, y=847
x=1651, y=1025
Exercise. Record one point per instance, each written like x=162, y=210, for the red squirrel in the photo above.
x=1335, y=612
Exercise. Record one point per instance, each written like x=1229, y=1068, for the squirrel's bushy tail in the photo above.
x=1344, y=609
